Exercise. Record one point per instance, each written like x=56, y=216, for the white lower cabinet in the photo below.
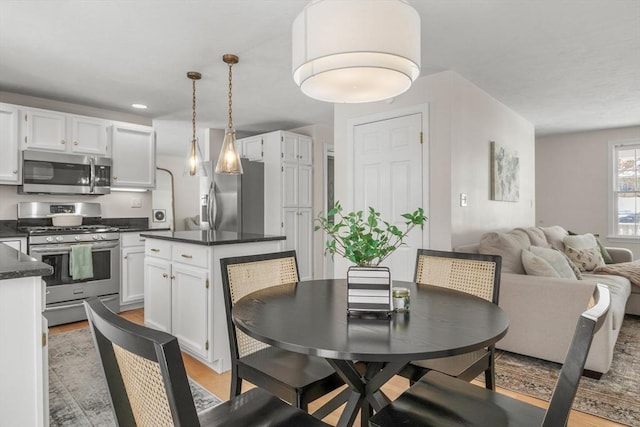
x=17, y=243
x=176, y=294
x=190, y=307
x=157, y=294
x=132, y=271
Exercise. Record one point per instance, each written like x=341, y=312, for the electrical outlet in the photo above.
x=136, y=203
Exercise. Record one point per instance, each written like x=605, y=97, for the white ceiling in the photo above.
x=565, y=65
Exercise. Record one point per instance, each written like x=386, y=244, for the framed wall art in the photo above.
x=505, y=174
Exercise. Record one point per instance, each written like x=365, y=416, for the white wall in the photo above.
x=186, y=188
x=462, y=121
x=572, y=181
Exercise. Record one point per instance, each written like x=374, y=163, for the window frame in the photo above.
x=612, y=206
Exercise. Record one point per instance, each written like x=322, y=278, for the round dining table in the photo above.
x=310, y=317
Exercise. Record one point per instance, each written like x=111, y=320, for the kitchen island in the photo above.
x=24, y=389
x=183, y=287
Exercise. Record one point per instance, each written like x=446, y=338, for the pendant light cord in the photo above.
x=193, y=106
x=230, y=91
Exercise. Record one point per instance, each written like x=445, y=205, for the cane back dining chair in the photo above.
x=475, y=274
x=441, y=400
x=294, y=377
x=148, y=383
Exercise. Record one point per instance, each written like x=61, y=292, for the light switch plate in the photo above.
x=463, y=199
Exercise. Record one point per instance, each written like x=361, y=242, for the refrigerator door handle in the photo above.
x=213, y=207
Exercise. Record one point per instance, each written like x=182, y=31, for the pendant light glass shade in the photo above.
x=352, y=51
x=229, y=158
x=194, y=164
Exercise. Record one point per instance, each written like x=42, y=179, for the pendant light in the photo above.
x=229, y=158
x=354, y=51
x=194, y=165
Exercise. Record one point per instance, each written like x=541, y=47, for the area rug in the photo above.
x=616, y=396
x=78, y=394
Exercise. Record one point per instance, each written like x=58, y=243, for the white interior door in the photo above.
x=388, y=177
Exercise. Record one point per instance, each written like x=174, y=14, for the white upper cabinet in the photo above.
x=44, y=130
x=88, y=135
x=133, y=149
x=54, y=131
x=251, y=148
x=10, y=159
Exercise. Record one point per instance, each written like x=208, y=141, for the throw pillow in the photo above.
x=603, y=250
x=556, y=259
x=573, y=266
x=586, y=259
x=537, y=266
x=509, y=246
x=581, y=241
x=555, y=236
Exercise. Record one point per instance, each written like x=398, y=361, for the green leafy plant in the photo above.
x=364, y=240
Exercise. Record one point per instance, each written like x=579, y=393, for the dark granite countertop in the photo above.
x=211, y=238
x=9, y=228
x=15, y=264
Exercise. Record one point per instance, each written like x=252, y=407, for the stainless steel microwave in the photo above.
x=60, y=173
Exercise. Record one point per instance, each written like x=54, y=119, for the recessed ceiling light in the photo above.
x=139, y=106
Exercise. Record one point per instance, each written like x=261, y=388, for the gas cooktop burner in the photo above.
x=65, y=230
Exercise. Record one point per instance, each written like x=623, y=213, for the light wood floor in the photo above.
x=219, y=384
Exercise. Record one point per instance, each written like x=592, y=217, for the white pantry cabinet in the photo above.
x=132, y=270
x=54, y=131
x=289, y=198
x=10, y=158
x=133, y=149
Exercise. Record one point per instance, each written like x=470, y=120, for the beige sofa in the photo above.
x=543, y=311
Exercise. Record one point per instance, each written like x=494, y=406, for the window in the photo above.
x=626, y=188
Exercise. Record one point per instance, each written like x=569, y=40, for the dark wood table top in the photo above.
x=310, y=317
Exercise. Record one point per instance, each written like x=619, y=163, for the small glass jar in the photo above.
x=401, y=300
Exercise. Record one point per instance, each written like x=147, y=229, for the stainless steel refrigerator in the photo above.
x=234, y=202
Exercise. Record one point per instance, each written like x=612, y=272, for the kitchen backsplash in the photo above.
x=116, y=204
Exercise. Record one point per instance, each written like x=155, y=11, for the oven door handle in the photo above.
x=60, y=249
x=79, y=303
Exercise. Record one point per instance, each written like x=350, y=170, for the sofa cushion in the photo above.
x=536, y=236
x=556, y=259
x=555, y=236
x=509, y=246
x=603, y=250
x=535, y=265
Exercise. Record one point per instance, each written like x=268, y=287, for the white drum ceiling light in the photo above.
x=356, y=50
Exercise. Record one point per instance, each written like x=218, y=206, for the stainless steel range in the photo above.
x=53, y=245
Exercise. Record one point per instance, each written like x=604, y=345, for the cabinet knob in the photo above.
x=173, y=277
x=15, y=171
x=165, y=275
x=62, y=142
x=115, y=178
x=154, y=250
x=75, y=142
x=124, y=257
x=186, y=256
